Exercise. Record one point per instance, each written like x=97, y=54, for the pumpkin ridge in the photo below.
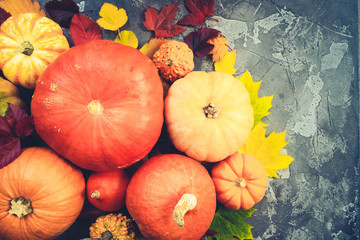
x=223, y=189
x=54, y=36
x=34, y=19
x=252, y=195
x=239, y=172
x=35, y=55
x=9, y=38
x=231, y=199
x=220, y=177
x=256, y=182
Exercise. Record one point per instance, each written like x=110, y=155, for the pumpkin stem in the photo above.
x=26, y=48
x=211, y=111
x=168, y=62
x=186, y=203
x=20, y=207
x=241, y=182
x=95, y=107
x=95, y=194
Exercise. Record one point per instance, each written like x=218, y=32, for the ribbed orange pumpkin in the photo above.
x=240, y=181
x=208, y=115
x=45, y=194
x=29, y=42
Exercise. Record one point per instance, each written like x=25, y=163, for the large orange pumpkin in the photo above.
x=171, y=196
x=41, y=195
x=29, y=42
x=240, y=181
x=100, y=105
x=208, y=115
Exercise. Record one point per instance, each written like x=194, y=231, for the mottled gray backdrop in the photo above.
x=306, y=52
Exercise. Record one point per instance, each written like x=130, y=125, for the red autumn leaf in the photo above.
x=10, y=149
x=62, y=12
x=3, y=15
x=160, y=23
x=84, y=29
x=199, y=11
x=198, y=41
x=15, y=125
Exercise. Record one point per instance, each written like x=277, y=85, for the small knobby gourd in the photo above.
x=9, y=93
x=171, y=196
x=106, y=190
x=240, y=181
x=174, y=59
x=118, y=226
x=41, y=195
x=29, y=42
x=208, y=115
x=100, y=105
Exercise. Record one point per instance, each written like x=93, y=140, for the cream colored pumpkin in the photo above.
x=208, y=115
x=29, y=42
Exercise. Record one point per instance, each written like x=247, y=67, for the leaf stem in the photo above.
x=229, y=47
x=214, y=19
x=87, y=11
x=152, y=35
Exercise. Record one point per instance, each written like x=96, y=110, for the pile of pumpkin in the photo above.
x=101, y=106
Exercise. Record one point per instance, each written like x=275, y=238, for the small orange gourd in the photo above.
x=29, y=42
x=174, y=59
x=106, y=190
x=208, y=115
x=240, y=181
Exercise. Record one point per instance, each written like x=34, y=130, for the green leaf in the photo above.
x=261, y=105
x=231, y=223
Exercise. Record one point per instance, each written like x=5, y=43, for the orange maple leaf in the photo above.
x=220, y=47
x=15, y=7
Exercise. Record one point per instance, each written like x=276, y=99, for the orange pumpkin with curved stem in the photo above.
x=45, y=194
x=171, y=196
x=240, y=181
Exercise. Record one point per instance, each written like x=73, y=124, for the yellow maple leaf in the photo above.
x=261, y=105
x=127, y=38
x=220, y=47
x=112, y=18
x=267, y=149
x=226, y=63
x=152, y=46
x=15, y=7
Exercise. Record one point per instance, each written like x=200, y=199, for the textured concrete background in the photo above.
x=306, y=52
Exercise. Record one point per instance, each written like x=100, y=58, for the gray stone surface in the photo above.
x=306, y=52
